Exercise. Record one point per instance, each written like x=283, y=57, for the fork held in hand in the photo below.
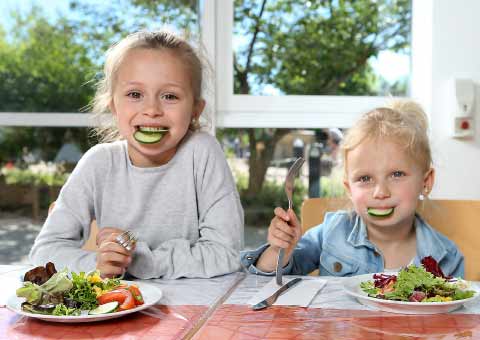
x=126, y=240
x=289, y=181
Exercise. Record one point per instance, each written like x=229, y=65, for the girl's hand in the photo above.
x=105, y=232
x=284, y=230
x=112, y=258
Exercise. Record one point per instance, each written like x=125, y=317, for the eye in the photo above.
x=134, y=94
x=169, y=96
x=364, y=179
x=398, y=174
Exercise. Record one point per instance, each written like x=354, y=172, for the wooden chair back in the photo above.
x=91, y=244
x=459, y=220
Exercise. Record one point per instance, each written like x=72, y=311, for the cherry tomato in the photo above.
x=137, y=295
x=122, y=296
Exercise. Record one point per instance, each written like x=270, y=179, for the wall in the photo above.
x=446, y=45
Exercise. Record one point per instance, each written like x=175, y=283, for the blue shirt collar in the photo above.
x=358, y=236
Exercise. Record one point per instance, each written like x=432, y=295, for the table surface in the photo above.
x=217, y=309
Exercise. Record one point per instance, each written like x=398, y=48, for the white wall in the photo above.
x=446, y=45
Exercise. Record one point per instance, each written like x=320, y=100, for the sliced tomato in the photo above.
x=137, y=295
x=122, y=296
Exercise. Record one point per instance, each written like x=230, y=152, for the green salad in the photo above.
x=416, y=284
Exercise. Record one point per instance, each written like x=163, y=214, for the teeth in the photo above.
x=152, y=129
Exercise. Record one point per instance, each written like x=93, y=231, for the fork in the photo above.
x=127, y=240
x=289, y=181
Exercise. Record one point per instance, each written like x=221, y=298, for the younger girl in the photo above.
x=157, y=176
x=387, y=167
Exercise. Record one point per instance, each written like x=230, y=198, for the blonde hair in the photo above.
x=106, y=128
x=402, y=121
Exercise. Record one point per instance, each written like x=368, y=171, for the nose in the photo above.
x=381, y=191
x=152, y=108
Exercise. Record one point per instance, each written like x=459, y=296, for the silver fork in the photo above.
x=289, y=181
x=127, y=240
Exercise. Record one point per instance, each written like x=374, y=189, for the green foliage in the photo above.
x=259, y=208
x=43, y=68
x=42, y=174
x=331, y=187
x=316, y=47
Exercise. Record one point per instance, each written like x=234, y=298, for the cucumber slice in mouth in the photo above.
x=149, y=136
x=380, y=212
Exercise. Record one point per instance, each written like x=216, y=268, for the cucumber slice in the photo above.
x=379, y=212
x=105, y=308
x=149, y=137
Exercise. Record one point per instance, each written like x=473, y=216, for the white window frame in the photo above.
x=249, y=111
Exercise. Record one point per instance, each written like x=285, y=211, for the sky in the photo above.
x=51, y=8
x=389, y=65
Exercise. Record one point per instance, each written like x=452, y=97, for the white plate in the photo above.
x=352, y=287
x=151, y=295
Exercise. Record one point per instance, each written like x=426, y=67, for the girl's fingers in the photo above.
x=281, y=225
x=110, y=270
x=281, y=214
x=113, y=246
x=106, y=233
x=117, y=258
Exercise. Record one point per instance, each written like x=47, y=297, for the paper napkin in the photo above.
x=299, y=295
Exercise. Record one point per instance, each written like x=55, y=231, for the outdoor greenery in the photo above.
x=41, y=174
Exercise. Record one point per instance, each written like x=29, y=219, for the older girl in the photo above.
x=156, y=174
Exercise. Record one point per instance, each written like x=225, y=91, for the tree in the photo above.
x=311, y=48
x=42, y=69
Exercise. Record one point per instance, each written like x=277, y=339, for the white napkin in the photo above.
x=299, y=295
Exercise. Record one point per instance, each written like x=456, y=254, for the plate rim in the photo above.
x=13, y=300
x=368, y=277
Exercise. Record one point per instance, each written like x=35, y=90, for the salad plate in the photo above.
x=352, y=287
x=151, y=295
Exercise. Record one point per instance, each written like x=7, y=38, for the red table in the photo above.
x=231, y=322
x=176, y=322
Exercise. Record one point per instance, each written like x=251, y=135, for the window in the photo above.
x=300, y=72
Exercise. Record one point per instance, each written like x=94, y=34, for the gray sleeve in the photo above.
x=220, y=228
x=68, y=226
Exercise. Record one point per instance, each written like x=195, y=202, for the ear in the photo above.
x=428, y=181
x=198, y=108
x=347, y=188
x=112, y=108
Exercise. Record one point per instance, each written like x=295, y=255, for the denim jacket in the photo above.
x=340, y=247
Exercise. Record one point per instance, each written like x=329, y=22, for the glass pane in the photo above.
x=52, y=51
x=34, y=164
x=303, y=47
x=259, y=160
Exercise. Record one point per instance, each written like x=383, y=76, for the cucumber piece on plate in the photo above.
x=149, y=137
x=379, y=212
x=105, y=308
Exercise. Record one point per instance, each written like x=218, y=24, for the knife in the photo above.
x=272, y=298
